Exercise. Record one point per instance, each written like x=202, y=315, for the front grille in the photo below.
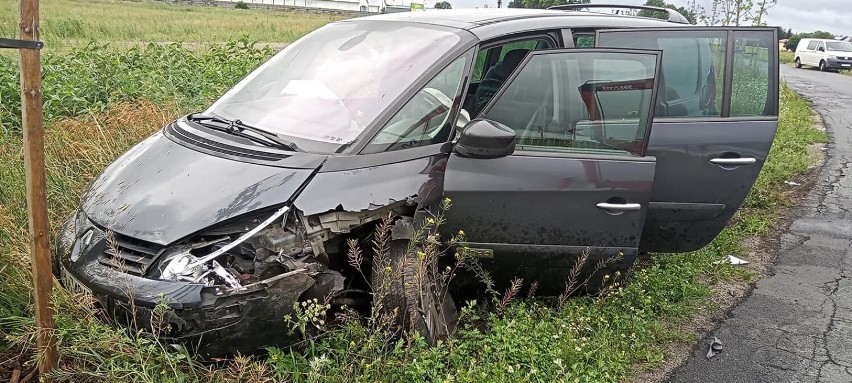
x=129, y=254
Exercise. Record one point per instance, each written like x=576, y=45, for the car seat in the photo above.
x=495, y=77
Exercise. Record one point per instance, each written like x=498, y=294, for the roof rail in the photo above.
x=673, y=16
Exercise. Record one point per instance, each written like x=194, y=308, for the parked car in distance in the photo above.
x=648, y=140
x=824, y=54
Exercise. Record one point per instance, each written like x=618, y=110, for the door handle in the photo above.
x=619, y=206
x=734, y=161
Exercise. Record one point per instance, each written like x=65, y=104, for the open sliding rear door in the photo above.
x=716, y=117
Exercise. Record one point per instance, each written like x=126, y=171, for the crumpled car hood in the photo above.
x=160, y=191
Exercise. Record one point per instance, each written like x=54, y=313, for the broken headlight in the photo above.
x=259, y=250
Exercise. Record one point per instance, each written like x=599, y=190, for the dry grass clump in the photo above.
x=76, y=151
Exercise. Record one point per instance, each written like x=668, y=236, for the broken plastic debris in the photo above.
x=715, y=348
x=791, y=183
x=733, y=260
x=736, y=261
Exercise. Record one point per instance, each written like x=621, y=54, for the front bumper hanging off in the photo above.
x=213, y=320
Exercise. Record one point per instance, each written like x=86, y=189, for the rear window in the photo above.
x=694, y=67
x=812, y=45
x=750, y=91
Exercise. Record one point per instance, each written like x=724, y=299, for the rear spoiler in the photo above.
x=673, y=16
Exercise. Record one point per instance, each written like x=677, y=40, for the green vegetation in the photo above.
x=443, y=5
x=77, y=22
x=793, y=41
x=88, y=79
x=98, y=102
x=786, y=57
x=789, y=155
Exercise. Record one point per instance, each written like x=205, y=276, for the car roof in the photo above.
x=470, y=19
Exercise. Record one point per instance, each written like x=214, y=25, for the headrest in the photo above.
x=511, y=61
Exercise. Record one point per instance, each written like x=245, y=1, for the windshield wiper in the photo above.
x=238, y=128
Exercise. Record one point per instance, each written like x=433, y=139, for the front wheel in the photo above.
x=412, y=293
x=822, y=66
x=798, y=63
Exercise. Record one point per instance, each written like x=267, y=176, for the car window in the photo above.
x=683, y=68
x=597, y=102
x=751, y=73
x=528, y=45
x=692, y=69
x=425, y=118
x=842, y=46
x=325, y=89
x=488, y=76
x=584, y=41
x=821, y=45
x=812, y=45
x=479, y=66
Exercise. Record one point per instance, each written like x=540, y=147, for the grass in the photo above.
x=87, y=79
x=104, y=107
x=66, y=23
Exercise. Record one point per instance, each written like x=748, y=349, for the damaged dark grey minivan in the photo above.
x=552, y=132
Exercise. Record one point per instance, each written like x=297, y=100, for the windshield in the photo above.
x=842, y=46
x=323, y=90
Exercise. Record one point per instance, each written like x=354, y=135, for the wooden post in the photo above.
x=33, y=127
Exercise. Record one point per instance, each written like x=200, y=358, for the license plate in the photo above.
x=72, y=284
x=847, y=65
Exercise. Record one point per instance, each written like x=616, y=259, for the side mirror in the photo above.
x=821, y=49
x=485, y=139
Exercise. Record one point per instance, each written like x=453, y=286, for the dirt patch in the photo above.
x=760, y=252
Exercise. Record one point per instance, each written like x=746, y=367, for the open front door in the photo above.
x=715, y=120
x=578, y=177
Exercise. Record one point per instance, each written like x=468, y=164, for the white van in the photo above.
x=825, y=54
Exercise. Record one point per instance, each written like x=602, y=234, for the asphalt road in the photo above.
x=796, y=326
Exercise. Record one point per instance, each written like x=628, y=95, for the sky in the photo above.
x=834, y=16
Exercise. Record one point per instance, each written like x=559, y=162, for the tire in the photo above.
x=435, y=317
x=822, y=66
x=798, y=63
